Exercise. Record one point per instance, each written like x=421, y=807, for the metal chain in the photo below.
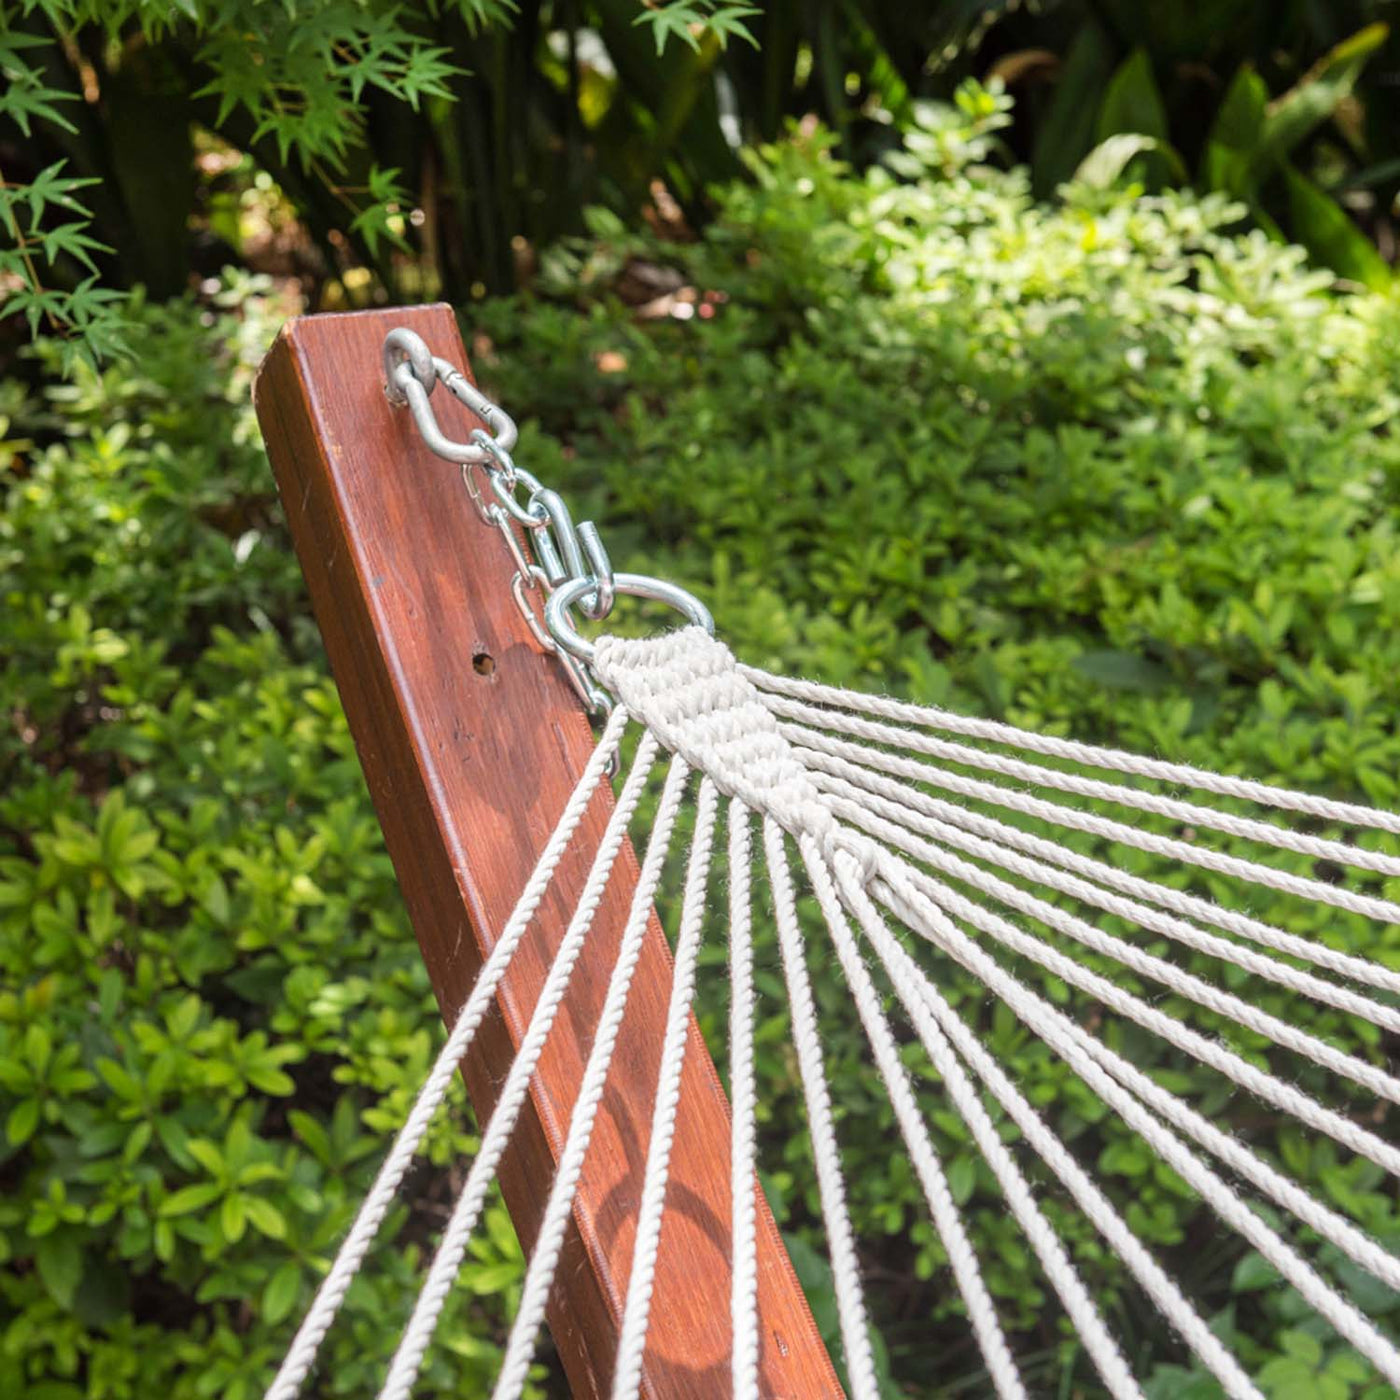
x=557, y=566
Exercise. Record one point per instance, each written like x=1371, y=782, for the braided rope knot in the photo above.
x=686, y=687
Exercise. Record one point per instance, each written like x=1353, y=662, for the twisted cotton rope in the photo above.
x=1185, y=813
x=824, y=767
x=1259, y=1082
x=1090, y=755
x=981, y=1311
x=539, y=1274
x=853, y=800
x=743, y=1305
x=302, y=1353
x=942, y=1033
x=1252, y=872
x=926, y=917
x=447, y=1263
x=756, y=739
x=845, y=1269
x=1183, y=983
x=627, y=1378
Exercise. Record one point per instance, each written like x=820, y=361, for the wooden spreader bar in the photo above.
x=471, y=742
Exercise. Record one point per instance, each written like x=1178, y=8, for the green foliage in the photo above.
x=1107, y=467
x=1253, y=139
x=687, y=22
x=362, y=110
x=213, y=1013
x=1303, y=147
x=90, y=315
x=429, y=148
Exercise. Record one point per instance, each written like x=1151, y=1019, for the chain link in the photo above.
x=549, y=553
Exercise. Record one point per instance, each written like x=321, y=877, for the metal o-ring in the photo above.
x=561, y=628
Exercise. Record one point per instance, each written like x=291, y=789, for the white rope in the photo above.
x=825, y=766
x=928, y=919
x=1184, y=984
x=1218, y=1056
x=1090, y=755
x=743, y=1180
x=1186, y=813
x=947, y=1221
x=447, y=1262
x=1312, y=1212
x=627, y=1378
x=845, y=1268
x=853, y=801
x=937, y=1025
x=539, y=1274
x=302, y=1353
x=859, y=816
x=1381, y=910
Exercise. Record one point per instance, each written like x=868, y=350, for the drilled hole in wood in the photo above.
x=483, y=663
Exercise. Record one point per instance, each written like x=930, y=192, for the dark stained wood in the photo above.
x=469, y=768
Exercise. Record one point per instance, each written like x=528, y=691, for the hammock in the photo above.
x=904, y=823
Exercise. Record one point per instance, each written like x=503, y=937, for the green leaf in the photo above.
x=1252, y=1273
x=59, y=1259
x=962, y=1178
x=1315, y=96
x=38, y=1046
x=1235, y=136
x=23, y=1120
x=487, y=1279
x=265, y=1217
x=1324, y=228
x=1104, y=165
x=1066, y=131
x=1132, y=102
x=207, y=1155
x=191, y=1198
x=282, y=1291
x=1122, y=670
x=233, y=1216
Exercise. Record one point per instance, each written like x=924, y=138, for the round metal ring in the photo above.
x=562, y=629
x=404, y=344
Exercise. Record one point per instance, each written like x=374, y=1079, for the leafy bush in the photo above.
x=417, y=144
x=1104, y=468
x=214, y=1011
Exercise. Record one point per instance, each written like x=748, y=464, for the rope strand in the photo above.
x=940, y=1030
x=1090, y=755
x=826, y=766
x=845, y=1269
x=961, y=1257
x=1381, y=910
x=452, y=1249
x=539, y=1275
x=301, y=1355
x=849, y=803
x=927, y=918
x=1184, y=984
x=627, y=1378
x=743, y=1179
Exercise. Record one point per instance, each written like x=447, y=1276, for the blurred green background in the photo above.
x=1036, y=360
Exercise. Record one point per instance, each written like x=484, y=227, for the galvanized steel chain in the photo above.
x=559, y=566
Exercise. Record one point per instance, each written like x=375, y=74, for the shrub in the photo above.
x=214, y=1011
x=1104, y=468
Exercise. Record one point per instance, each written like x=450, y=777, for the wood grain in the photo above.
x=469, y=767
